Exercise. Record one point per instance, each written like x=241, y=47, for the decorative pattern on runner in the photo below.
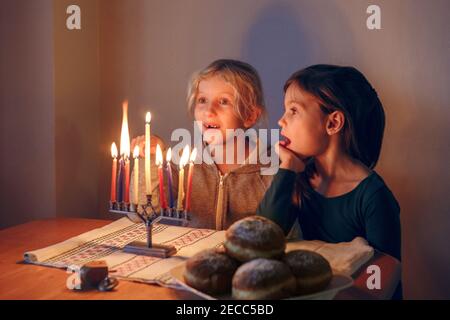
x=102, y=246
x=89, y=244
x=139, y=263
x=133, y=265
x=189, y=238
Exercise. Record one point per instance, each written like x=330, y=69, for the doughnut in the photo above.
x=263, y=279
x=254, y=237
x=310, y=269
x=210, y=271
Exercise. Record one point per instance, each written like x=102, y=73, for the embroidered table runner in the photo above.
x=106, y=244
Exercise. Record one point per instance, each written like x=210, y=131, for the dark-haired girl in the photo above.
x=333, y=128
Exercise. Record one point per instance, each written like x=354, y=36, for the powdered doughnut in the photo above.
x=210, y=271
x=311, y=270
x=263, y=279
x=255, y=237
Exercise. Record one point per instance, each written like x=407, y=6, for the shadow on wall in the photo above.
x=285, y=38
x=76, y=193
x=412, y=163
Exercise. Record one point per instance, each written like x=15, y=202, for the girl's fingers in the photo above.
x=289, y=160
x=282, y=151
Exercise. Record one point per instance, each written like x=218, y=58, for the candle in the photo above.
x=183, y=162
x=127, y=181
x=136, y=175
x=189, y=182
x=125, y=151
x=159, y=163
x=169, y=177
x=120, y=180
x=114, y=172
x=148, y=172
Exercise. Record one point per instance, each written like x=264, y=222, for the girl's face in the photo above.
x=214, y=106
x=303, y=124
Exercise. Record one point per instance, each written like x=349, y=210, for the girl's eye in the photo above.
x=224, y=101
x=293, y=110
x=201, y=100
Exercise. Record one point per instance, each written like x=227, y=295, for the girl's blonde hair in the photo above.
x=245, y=81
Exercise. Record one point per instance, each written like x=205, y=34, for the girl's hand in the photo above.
x=140, y=141
x=289, y=160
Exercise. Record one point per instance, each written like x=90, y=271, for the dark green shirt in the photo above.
x=369, y=211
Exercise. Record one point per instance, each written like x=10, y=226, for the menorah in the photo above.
x=175, y=215
x=149, y=217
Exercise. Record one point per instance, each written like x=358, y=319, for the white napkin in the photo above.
x=344, y=257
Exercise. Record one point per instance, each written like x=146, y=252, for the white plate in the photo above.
x=338, y=282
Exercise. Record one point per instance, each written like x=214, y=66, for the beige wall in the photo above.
x=27, y=127
x=50, y=116
x=148, y=49
x=77, y=116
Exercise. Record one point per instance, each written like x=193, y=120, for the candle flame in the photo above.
x=114, y=150
x=169, y=155
x=193, y=155
x=148, y=117
x=159, y=156
x=184, y=156
x=125, y=134
x=136, y=152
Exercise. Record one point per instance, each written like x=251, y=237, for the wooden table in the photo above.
x=19, y=280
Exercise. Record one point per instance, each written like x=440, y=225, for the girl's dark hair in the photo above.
x=344, y=89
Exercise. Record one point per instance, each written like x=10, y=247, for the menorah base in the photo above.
x=156, y=250
x=172, y=221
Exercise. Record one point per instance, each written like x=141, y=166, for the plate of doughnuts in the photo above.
x=252, y=265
